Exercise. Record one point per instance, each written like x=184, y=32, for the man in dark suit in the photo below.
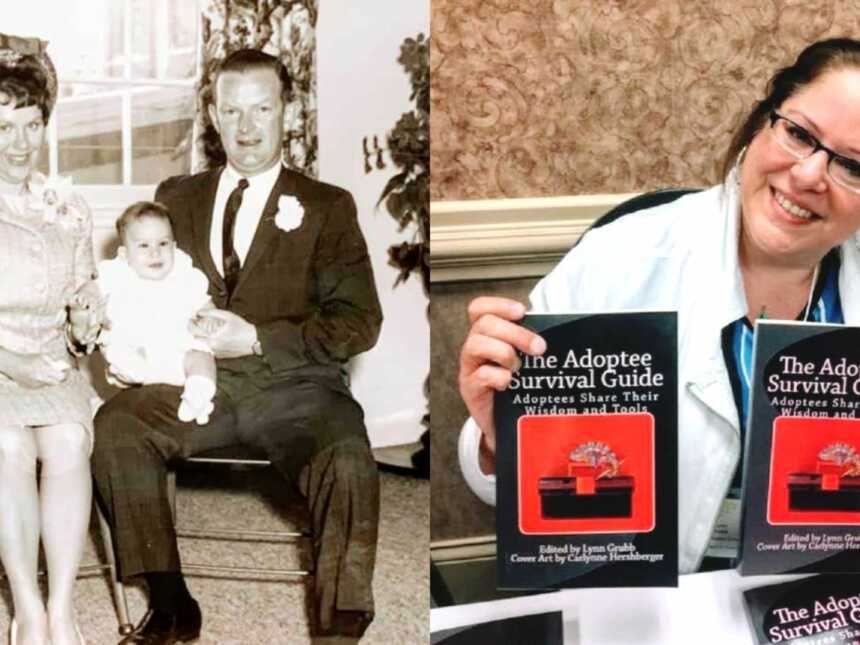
x=289, y=274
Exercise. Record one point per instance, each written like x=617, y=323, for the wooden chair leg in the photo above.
x=125, y=626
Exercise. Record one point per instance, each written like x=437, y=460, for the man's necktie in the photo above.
x=231, y=260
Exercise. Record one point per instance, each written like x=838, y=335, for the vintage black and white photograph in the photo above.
x=214, y=336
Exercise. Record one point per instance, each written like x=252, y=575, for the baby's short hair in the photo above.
x=138, y=211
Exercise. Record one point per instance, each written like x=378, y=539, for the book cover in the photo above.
x=801, y=484
x=546, y=628
x=586, y=456
x=811, y=611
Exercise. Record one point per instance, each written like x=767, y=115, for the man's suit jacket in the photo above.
x=309, y=291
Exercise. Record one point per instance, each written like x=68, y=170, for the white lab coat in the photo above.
x=682, y=256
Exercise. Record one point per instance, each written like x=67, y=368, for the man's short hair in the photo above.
x=246, y=60
x=137, y=212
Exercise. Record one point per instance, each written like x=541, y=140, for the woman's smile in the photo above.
x=792, y=210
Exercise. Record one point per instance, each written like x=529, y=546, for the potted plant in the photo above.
x=407, y=194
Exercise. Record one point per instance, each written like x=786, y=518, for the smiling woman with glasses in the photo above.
x=777, y=238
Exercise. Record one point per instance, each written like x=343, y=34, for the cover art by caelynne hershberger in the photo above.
x=801, y=496
x=586, y=457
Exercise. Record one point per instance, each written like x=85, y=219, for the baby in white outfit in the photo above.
x=152, y=293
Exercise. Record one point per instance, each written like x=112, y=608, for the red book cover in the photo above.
x=586, y=456
x=801, y=488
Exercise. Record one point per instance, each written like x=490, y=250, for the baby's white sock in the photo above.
x=196, y=404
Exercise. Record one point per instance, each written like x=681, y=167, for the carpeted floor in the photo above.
x=255, y=611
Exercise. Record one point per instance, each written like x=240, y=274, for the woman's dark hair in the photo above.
x=138, y=211
x=25, y=83
x=815, y=60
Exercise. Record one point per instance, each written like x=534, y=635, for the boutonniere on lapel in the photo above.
x=55, y=199
x=290, y=213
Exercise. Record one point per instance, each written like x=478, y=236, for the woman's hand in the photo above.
x=86, y=313
x=85, y=325
x=33, y=370
x=489, y=358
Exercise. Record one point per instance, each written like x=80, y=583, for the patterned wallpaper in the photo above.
x=562, y=97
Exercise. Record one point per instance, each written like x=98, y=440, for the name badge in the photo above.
x=725, y=540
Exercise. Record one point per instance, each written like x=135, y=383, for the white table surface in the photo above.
x=705, y=608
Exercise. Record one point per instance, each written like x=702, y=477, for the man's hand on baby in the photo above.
x=234, y=336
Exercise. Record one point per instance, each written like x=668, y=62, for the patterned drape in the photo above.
x=283, y=28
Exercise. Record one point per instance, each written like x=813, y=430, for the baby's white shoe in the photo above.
x=196, y=404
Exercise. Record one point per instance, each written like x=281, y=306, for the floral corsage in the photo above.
x=56, y=200
x=290, y=213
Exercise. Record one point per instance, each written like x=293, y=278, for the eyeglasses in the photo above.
x=800, y=143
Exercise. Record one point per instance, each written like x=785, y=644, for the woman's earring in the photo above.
x=738, y=164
